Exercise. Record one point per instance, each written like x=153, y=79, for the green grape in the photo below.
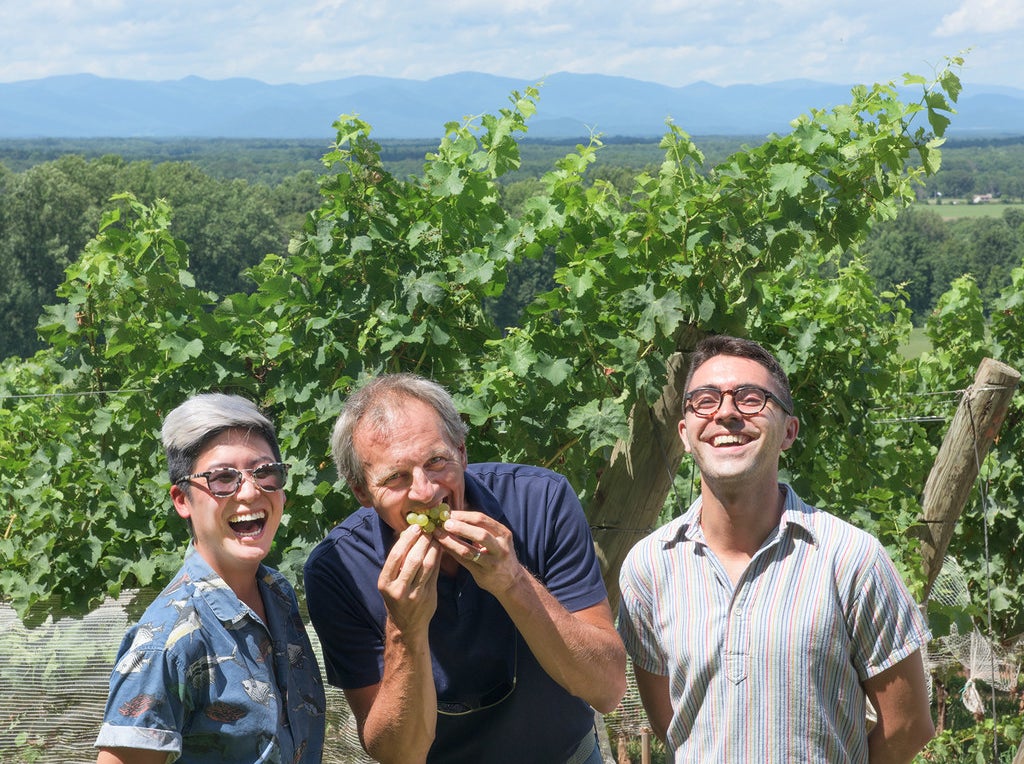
x=431, y=518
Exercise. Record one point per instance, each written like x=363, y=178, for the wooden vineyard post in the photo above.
x=622, y=752
x=971, y=433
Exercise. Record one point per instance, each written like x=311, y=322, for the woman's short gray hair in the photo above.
x=378, y=404
x=189, y=427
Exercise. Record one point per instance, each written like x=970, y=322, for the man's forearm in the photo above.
x=401, y=723
x=897, y=749
x=900, y=697
x=581, y=651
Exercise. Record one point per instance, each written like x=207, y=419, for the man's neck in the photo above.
x=736, y=522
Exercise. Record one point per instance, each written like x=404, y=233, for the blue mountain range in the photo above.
x=570, y=106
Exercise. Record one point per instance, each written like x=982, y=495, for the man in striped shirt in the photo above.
x=759, y=626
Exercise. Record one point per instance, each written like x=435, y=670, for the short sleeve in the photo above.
x=143, y=710
x=341, y=610
x=573, y=573
x=635, y=613
x=887, y=625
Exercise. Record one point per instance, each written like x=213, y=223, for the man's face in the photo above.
x=730, y=446
x=411, y=465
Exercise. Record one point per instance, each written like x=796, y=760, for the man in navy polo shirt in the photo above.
x=486, y=639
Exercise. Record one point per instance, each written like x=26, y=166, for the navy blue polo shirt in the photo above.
x=495, y=702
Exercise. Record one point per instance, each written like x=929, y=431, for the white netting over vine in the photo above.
x=629, y=719
x=54, y=678
x=54, y=675
x=980, y=657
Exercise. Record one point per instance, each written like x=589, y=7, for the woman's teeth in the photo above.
x=249, y=524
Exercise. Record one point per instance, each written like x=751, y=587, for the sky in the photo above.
x=671, y=42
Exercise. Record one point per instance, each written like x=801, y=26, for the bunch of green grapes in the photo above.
x=431, y=518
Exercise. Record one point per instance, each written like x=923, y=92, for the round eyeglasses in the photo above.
x=748, y=400
x=225, y=481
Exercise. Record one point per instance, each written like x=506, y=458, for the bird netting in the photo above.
x=980, y=658
x=54, y=679
x=629, y=719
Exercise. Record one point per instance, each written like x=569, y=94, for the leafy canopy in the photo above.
x=389, y=274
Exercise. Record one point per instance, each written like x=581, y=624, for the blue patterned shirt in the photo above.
x=770, y=670
x=204, y=679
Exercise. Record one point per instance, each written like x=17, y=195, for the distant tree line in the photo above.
x=980, y=166
x=49, y=211
x=234, y=202
x=923, y=253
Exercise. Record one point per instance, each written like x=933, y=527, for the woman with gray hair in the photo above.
x=220, y=667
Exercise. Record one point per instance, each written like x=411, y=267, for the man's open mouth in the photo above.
x=729, y=440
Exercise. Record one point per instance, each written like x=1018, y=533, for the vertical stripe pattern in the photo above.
x=769, y=670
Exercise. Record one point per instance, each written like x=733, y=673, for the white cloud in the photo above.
x=983, y=16
x=670, y=41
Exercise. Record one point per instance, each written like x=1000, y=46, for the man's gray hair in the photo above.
x=189, y=427
x=378, y=404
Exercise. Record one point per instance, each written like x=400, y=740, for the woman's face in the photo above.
x=234, y=533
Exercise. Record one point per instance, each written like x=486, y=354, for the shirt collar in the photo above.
x=795, y=513
x=480, y=498
x=214, y=590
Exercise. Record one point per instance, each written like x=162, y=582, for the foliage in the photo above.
x=981, y=166
x=235, y=199
x=50, y=211
x=976, y=744
x=922, y=252
x=390, y=274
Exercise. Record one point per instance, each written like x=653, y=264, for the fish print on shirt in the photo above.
x=310, y=706
x=145, y=634
x=226, y=712
x=186, y=623
x=260, y=692
x=202, y=672
x=132, y=662
x=138, y=705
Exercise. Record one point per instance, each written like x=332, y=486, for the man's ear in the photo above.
x=363, y=496
x=792, y=429
x=682, y=434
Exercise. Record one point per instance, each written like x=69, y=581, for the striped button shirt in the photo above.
x=769, y=670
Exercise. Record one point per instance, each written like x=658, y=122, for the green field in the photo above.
x=963, y=209
x=917, y=343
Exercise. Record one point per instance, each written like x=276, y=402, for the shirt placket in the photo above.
x=737, y=638
x=736, y=648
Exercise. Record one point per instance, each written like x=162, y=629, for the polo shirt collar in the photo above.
x=480, y=498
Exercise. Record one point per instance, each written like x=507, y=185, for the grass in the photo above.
x=917, y=343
